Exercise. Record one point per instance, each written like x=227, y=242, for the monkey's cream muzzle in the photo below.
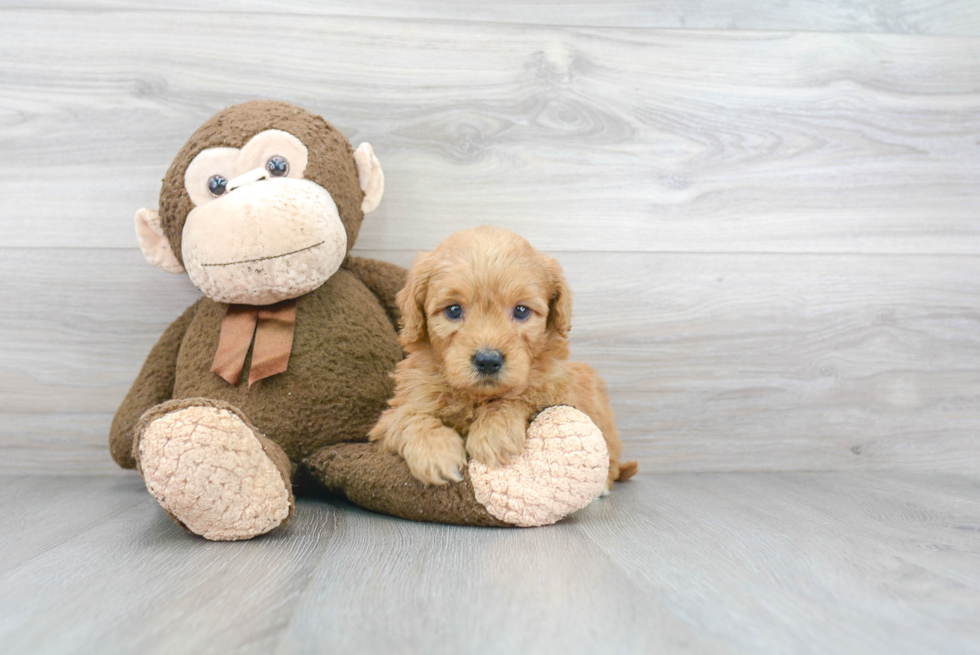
x=264, y=241
x=253, y=175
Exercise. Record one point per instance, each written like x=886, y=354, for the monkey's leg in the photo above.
x=563, y=468
x=213, y=471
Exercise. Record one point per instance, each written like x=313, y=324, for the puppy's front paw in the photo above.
x=496, y=442
x=436, y=457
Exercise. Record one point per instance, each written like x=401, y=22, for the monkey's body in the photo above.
x=336, y=386
x=338, y=377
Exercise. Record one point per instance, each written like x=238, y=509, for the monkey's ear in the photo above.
x=154, y=244
x=411, y=303
x=370, y=176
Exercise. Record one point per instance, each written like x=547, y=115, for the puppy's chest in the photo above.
x=459, y=416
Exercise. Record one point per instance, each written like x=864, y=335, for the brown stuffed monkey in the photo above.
x=281, y=369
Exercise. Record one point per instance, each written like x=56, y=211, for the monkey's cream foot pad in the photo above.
x=208, y=469
x=562, y=469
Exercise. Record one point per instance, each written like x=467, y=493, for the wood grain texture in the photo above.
x=895, y=16
x=136, y=582
x=761, y=563
x=580, y=138
x=714, y=362
x=475, y=590
x=41, y=514
x=772, y=234
x=828, y=563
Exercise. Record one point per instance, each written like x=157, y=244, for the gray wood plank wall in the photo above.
x=768, y=210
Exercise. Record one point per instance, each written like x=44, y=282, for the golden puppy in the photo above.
x=485, y=320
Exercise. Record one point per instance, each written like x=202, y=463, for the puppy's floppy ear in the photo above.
x=560, y=305
x=411, y=302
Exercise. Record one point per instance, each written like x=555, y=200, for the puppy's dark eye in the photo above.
x=217, y=185
x=521, y=313
x=277, y=166
x=454, y=312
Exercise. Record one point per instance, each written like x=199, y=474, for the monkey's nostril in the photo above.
x=253, y=175
x=488, y=362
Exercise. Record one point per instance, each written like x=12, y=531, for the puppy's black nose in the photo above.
x=488, y=362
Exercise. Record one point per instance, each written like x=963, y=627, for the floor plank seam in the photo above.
x=632, y=28
x=16, y=564
x=286, y=629
x=680, y=253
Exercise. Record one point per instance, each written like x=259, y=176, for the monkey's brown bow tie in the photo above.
x=272, y=327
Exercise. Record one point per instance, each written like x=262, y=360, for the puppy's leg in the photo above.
x=498, y=433
x=435, y=454
x=589, y=394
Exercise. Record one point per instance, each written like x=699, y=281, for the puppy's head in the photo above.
x=488, y=305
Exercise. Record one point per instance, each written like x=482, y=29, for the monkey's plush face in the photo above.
x=261, y=205
x=259, y=233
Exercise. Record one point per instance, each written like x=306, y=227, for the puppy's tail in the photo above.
x=627, y=471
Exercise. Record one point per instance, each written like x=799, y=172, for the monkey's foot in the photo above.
x=562, y=469
x=212, y=471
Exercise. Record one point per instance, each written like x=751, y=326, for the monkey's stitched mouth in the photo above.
x=262, y=259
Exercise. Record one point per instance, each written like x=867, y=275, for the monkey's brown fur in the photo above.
x=440, y=397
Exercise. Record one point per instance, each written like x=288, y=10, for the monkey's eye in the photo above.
x=277, y=166
x=217, y=185
x=521, y=313
x=454, y=312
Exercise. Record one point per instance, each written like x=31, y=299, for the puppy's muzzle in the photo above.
x=488, y=362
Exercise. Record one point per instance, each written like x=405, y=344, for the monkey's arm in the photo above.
x=384, y=280
x=563, y=469
x=153, y=385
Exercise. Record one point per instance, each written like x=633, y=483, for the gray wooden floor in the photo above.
x=844, y=562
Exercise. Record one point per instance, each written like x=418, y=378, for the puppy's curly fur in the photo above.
x=485, y=324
